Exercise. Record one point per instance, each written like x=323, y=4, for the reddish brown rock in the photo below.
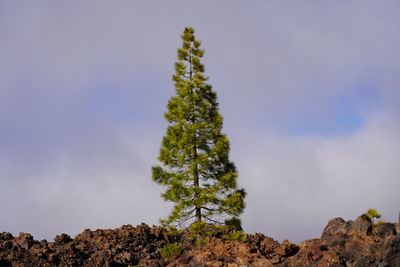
x=342, y=243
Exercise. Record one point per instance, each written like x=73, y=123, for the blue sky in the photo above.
x=309, y=94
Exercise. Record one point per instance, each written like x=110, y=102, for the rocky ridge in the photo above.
x=342, y=243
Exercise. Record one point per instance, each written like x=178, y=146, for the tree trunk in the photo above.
x=196, y=185
x=196, y=170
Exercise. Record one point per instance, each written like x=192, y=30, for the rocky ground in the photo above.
x=342, y=243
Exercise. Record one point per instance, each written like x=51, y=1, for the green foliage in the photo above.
x=174, y=231
x=196, y=170
x=170, y=250
x=200, y=232
x=235, y=235
x=235, y=223
x=200, y=241
x=199, y=228
x=372, y=214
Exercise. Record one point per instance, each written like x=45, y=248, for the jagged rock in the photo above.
x=385, y=229
x=335, y=233
x=268, y=247
x=287, y=249
x=25, y=240
x=391, y=254
x=62, y=239
x=5, y=236
x=276, y=260
x=363, y=224
x=343, y=243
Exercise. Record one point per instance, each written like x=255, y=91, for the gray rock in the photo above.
x=334, y=226
x=363, y=224
x=385, y=229
x=335, y=233
x=391, y=255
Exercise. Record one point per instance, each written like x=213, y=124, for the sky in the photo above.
x=309, y=93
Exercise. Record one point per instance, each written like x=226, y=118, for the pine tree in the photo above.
x=200, y=178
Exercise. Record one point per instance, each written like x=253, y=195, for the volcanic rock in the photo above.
x=385, y=229
x=342, y=243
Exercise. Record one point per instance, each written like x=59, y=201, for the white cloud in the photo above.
x=297, y=184
x=266, y=61
x=91, y=188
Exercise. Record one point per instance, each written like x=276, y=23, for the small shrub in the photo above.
x=170, y=250
x=200, y=241
x=200, y=232
x=372, y=214
x=235, y=223
x=199, y=228
x=379, y=223
x=235, y=235
x=174, y=231
x=217, y=228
